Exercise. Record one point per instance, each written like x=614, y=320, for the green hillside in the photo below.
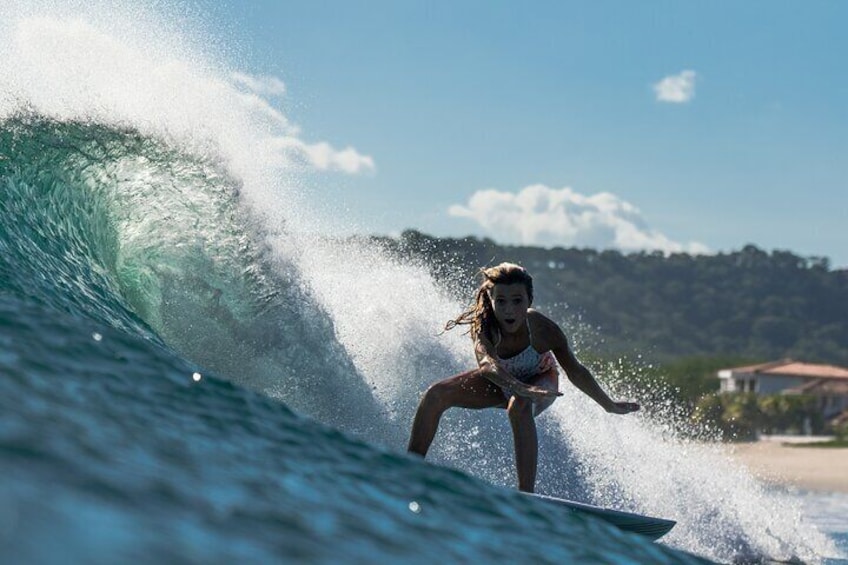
x=747, y=304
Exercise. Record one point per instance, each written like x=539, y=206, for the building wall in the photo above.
x=759, y=383
x=772, y=384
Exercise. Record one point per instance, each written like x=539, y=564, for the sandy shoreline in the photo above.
x=812, y=468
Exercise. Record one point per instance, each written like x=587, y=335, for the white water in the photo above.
x=697, y=484
x=127, y=66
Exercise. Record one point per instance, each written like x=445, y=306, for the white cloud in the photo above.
x=677, y=89
x=324, y=157
x=321, y=155
x=539, y=215
x=263, y=85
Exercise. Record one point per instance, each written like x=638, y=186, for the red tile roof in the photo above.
x=796, y=369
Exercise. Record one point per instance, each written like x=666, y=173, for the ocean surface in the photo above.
x=191, y=372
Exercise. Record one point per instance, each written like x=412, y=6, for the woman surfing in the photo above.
x=517, y=351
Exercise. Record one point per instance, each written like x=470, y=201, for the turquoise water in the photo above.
x=187, y=373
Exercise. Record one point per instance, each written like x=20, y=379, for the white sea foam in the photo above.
x=722, y=510
x=387, y=316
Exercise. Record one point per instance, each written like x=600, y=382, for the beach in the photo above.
x=776, y=460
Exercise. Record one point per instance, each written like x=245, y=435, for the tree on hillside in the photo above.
x=748, y=303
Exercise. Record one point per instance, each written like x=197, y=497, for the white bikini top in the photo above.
x=527, y=363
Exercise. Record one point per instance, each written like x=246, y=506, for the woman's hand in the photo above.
x=623, y=407
x=535, y=392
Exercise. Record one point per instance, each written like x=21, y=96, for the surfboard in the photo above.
x=648, y=526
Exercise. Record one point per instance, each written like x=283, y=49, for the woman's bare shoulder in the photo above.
x=544, y=329
x=538, y=320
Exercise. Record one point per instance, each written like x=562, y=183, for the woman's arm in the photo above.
x=578, y=374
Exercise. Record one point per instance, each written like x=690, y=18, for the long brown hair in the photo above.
x=480, y=315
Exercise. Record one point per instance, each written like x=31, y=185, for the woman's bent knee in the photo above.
x=436, y=396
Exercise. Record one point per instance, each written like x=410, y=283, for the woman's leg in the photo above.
x=465, y=390
x=522, y=413
x=523, y=424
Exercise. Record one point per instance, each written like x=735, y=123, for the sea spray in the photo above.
x=722, y=510
x=390, y=316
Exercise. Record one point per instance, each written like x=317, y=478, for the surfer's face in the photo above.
x=510, y=303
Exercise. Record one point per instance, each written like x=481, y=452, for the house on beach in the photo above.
x=827, y=383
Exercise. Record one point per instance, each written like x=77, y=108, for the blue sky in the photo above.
x=670, y=125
